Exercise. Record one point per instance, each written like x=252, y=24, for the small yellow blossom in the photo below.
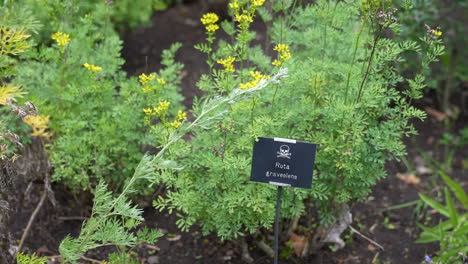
x=61, y=38
x=247, y=85
x=181, y=115
x=243, y=19
x=284, y=54
x=209, y=18
x=258, y=2
x=146, y=89
x=212, y=27
x=175, y=124
x=39, y=125
x=148, y=111
x=234, y=5
x=163, y=106
x=227, y=63
x=160, y=80
x=257, y=77
x=91, y=67
x=8, y=93
x=438, y=33
x=144, y=79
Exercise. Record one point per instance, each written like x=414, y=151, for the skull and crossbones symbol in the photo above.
x=284, y=152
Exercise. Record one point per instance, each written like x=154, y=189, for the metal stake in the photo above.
x=277, y=219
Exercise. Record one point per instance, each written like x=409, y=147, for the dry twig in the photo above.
x=31, y=220
x=366, y=238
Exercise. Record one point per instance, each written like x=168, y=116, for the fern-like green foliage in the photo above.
x=29, y=259
x=114, y=217
x=345, y=92
x=96, y=114
x=112, y=220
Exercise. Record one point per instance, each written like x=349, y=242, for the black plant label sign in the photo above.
x=283, y=162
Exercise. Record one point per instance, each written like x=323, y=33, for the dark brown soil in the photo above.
x=395, y=230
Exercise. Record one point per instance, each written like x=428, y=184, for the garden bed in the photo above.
x=395, y=230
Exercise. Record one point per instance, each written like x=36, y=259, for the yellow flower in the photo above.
x=227, y=63
x=234, y=5
x=175, y=124
x=209, y=18
x=248, y=85
x=212, y=27
x=61, y=38
x=257, y=77
x=161, y=80
x=148, y=111
x=144, y=79
x=243, y=19
x=281, y=48
x=146, y=89
x=438, y=33
x=181, y=115
x=8, y=93
x=163, y=106
x=284, y=54
x=258, y=2
x=91, y=67
x=38, y=124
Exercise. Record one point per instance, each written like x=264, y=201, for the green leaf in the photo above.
x=449, y=254
x=461, y=232
x=437, y=206
x=451, y=208
x=33, y=259
x=428, y=235
x=456, y=189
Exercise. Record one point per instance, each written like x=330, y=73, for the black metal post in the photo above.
x=277, y=219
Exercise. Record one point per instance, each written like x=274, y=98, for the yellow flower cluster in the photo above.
x=257, y=77
x=212, y=27
x=39, y=125
x=61, y=38
x=438, y=33
x=144, y=79
x=234, y=5
x=181, y=115
x=209, y=20
x=227, y=63
x=163, y=106
x=243, y=19
x=284, y=54
x=258, y=2
x=8, y=93
x=91, y=67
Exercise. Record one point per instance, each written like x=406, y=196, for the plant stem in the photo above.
x=254, y=101
x=352, y=61
x=374, y=45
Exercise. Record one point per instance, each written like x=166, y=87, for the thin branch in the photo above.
x=90, y=259
x=366, y=238
x=31, y=219
x=72, y=218
x=263, y=246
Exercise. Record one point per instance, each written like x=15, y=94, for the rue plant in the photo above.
x=345, y=93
